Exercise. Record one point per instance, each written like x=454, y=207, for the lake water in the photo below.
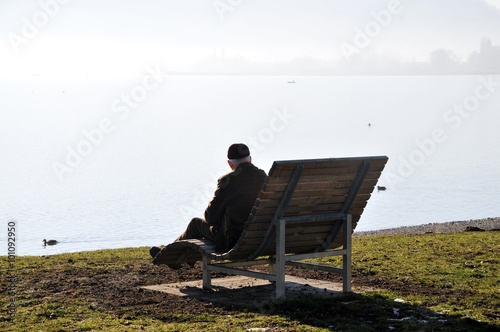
x=107, y=164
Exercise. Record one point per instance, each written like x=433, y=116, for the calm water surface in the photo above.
x=109, y=164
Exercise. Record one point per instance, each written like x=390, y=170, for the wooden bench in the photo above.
x=306, y=209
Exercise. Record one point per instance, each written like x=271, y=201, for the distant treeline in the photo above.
x=366, y=62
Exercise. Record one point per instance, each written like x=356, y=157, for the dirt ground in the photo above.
x=119, y=292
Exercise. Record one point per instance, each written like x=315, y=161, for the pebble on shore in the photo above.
x=487, y=224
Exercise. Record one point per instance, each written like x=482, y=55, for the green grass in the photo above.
x=464, y=264
x=448, y=282
x=458, y=274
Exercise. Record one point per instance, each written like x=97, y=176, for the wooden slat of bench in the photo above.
x=309, y=204
x=320, y=207
x=290, y=244
x=340, y=192
x=265, y=214
x=314, y=230
x=320, y=183
x=273, y=203
x=298, y=249
x=186, y=250
x=248, y=244
x=305, y=201
x=334, y=170
x=332, y=192
x=317, y=175
x=328, y=162
x=294, y=229
x=264, y=205
x=304, y=249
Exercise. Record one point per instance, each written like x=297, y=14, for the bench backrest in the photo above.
x=325, y=190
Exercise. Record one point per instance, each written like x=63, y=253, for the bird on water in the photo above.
x=49, y=242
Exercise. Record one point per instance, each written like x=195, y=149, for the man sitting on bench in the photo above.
x=231, y=205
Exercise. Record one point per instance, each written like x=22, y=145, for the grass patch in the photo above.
x=443, y=282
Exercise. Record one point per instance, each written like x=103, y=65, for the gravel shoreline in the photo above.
x=487, y=224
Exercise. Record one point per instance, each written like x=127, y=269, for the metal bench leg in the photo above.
x=347, y=258
x=207, y=275
x=280, y=260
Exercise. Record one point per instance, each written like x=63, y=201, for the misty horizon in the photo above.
x=57, y=38
x=439, y=62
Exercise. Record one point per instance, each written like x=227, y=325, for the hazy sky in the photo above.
x=115, y=37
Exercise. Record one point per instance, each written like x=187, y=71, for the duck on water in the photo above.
x=49, y=242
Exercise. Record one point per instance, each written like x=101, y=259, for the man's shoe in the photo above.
x=153, y=251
